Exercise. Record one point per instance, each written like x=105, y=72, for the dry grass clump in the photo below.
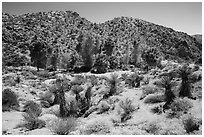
x=63, y=126
x=126, y=109
x=179, y=107
x=32, y=122
x=152, y=98
x=97, y=126
x=149, y=89
x=152, y=128
x=32, y=107
x=191, y=123
x=157, y=110
x=103, y=107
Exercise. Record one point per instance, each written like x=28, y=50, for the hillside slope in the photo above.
x=65, y=30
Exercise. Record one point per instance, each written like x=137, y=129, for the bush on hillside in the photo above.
x=9, y=100
x=32, y=107
x=63, y=126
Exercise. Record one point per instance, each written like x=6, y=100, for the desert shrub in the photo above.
x=70, y=109
x=64, y=126
x=101, y=64
x=184, y=73
x=133, y=80
x=43, y=74
x=97, y=126
x=152, y=128
x=94, y=80
x=69, y=60
x=157, y=109
x=152, y=98
x=151, y=56
x=172, y=127
x=112, y=82
x=87, y=51
x=9, y=100
x=113, y=62
x=88, y=94
x=32, y=122
x=167, y=83
x=77, y=89
x=179, y=107
x=82, y=106
x=103, y=107
x=190, y=123
x=78, y=80
x=127, y=109
x=149, y=89
x=47, y=99
x=32, y=107
x=146, y=80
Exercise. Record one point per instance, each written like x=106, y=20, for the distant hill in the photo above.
x=65, y=30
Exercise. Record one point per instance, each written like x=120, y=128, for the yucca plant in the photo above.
x=112, y=82
x=128, y=108
x=76, y=90
x=61, y=94
x=167, y=84
x=185, y=88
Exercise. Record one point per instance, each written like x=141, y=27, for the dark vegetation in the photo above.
x=64, y=40
x=9, y=100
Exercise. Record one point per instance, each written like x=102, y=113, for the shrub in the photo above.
x=190, y=123
x=64, y=126
x=82, y=106
x=69, y=60
x=113, y=62
x=38, y=53
x=77, y=89
x=9, y=100
x=97, y=126
x=88, y=49
x=112, y=82
x=185, y=87
x=47, y=99
x=179, y=106
x=167, y=83
x=103, y=107
x=101, y=64
x=133, y=80
x=152, y=128
x=149, y=90
x=152, y=98
x=32, y=122
x=157, y=109
x=151, y=56
x=32, y=107
x=127, y=109
x=43, y=74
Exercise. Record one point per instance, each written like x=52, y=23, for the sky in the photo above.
x=181, y=16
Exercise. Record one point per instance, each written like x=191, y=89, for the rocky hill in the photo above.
x=65, y=31
x=198, y=37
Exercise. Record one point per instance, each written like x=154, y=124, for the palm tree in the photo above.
x=185, y=88
x=167, y=83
